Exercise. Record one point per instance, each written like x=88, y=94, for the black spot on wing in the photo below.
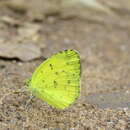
x=43, y=81
x=68, y=81
x=55, y=83
x=56, y=73
x=65, y=51
x=73, y=74
x=51, y=66
x=63, y=71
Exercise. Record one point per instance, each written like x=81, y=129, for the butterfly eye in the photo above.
x=28, y=82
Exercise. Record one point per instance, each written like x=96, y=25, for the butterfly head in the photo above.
x=28, y=82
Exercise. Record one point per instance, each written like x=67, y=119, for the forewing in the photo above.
x=57, y=80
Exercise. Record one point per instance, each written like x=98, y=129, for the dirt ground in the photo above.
x=103, y=41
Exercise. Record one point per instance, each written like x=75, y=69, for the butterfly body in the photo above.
x=57, y=79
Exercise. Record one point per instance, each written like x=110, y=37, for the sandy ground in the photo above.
x=103, y=41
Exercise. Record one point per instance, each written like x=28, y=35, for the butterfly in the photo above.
x=57, y=80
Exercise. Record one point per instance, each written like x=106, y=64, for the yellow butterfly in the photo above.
x=57, y=79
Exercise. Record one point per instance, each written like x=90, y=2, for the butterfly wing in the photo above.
x=57, y=80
